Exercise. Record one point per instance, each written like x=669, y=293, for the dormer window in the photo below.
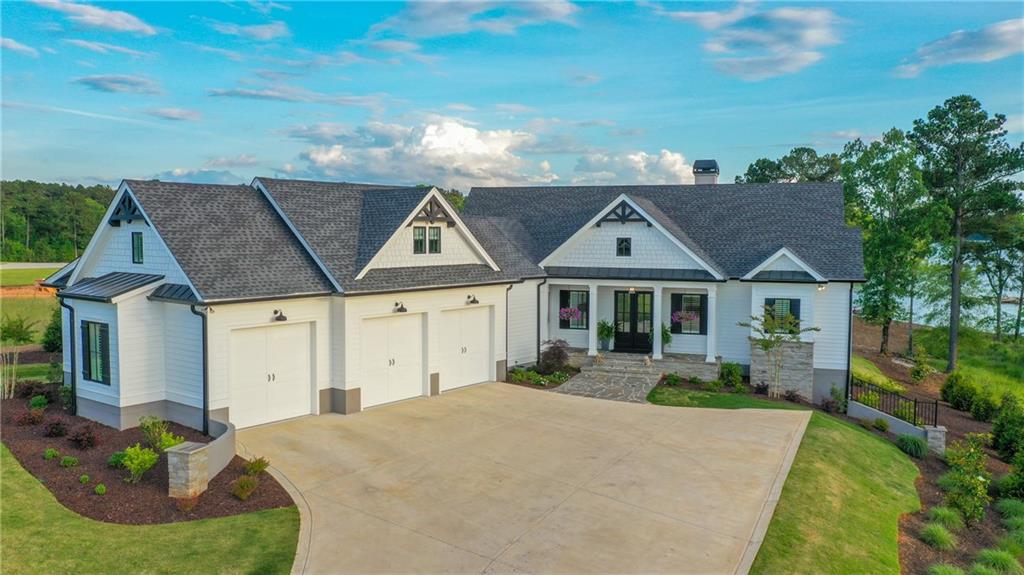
x=434, y=237
x=624, y=247
x=419, y=240
x=137, y=247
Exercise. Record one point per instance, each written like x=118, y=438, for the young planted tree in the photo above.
x=887, y=198
x=966, y=166
x=771, y=333
x=14, y=332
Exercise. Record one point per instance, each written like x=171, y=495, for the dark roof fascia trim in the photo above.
x=86, y=297
x=259, y=298
x=64, y=273
x=810, y=281
x=172, y=300
x=351, y=293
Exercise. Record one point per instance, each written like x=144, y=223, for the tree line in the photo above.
x=941, y=214
x=47, y=222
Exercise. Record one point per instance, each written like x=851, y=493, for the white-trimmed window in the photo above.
x=96, y=352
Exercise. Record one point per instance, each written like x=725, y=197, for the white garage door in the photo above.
x=270, y=374
x=391, y=359
x=465, y=347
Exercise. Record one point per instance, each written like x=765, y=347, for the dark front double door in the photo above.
x=633, y=321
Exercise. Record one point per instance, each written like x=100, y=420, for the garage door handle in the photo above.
x=268, y=377
x=273, y=377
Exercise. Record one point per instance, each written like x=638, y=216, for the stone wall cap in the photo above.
x=187, y=447
x=935, y=427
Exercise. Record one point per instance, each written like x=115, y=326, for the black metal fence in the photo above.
x=914, y=411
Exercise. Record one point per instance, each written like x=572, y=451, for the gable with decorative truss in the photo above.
x=127, y=210
x=433, y=213
x=623, y=213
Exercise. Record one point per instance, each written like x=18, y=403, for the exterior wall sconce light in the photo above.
x=400, y=307
x=279, y=315
x=471, y=300
x=632, y=290
x=821, y=287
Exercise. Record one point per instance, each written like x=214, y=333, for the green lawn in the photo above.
x=42, y=536
x=864, y=369
x=37, y=310
x=24, y=277
x=995, y=366
x=840, y=507
x=34, y=371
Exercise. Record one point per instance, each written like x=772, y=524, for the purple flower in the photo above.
x=570, y=313
x=685, y=316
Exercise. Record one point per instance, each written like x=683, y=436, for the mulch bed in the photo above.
x=143, y=503
x=39, y=356
x=915, y=555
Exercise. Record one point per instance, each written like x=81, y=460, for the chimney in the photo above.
x=705, y=172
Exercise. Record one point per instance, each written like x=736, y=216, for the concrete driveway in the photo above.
x=497, y=478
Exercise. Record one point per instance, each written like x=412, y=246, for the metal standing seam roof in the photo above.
x=106, y=287
x=175, y=293
x=629, y=273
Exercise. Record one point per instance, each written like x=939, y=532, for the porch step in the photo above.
x=630, y=369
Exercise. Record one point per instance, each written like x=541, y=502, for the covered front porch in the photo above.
x=636, y=310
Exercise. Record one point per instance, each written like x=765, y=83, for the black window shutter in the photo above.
x=105, y=351
x=677, y=305
x=703, y=314
x=770, y=302
x=85, y=350
x=563, y=302
x=794, y=308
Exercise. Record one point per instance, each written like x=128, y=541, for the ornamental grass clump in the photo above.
x=999, y=561
x=912, y=446
x=257, y=466
x=1013, y=543
x=244, y=486
x=1010, y=508
x=937, y=536
x=946, y=517
x=944, y=569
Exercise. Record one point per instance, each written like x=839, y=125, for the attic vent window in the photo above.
x=433, y=213
x=623, y=213
x=127, y=210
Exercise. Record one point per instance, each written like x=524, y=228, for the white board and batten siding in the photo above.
x=113, y=253
x=650, y=248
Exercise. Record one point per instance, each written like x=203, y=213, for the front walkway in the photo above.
x=615, y=386
x=498, y=478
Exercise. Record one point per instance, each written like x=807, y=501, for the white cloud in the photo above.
x=200, y=176
x=513, y=108
x=229, y=54
x=262, y=32
x=756, y=44
x=443, y=18
x=96, y=17
x=104, y=48
x=638, y=167
x=79, y=113
x=460, y=107
x=241, y=160
x=394, y=46
x=322, y=133
x=295, y=94
x=443, y=151
x=268, y=7
x=120, y=84
x=990, y=43
x=14, y=45
x=177, y=114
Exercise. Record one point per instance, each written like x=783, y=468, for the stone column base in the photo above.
x=188, y=471
x=936, y=438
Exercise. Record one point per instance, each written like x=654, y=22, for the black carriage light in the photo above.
x=471, y=299
x=400, y=307
x=279, y=315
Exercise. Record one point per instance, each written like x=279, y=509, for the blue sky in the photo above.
x=462, y=94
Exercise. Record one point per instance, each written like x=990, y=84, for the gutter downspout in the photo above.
x=71, y=338
x=849, y=346
x=508, y=289
x=544, y=281
x=206, y=371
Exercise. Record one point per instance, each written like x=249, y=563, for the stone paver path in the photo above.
x=616, y=386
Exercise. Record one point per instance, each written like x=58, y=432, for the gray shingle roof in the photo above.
x=109, y=286
x=228, y=241
x=737, y=225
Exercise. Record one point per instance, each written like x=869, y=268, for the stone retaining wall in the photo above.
x=191, y=465
x=797, y=367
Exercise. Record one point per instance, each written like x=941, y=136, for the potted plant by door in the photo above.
x=605, y=333
x=666, y=336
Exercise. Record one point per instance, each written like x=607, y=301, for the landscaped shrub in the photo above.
x=869, y=398
x=1012, y=484
x=153, y=428
x=31, y=389
x=694, y=380
x=959, y=391
x=984, y=407
x=68, y=461
x=731, y=374
x=66, y=396
x=528, y=376
x=714, y=385
x=30, y=417
x=554, y=357
x=791, y=395
x=256, y=466
x=937, y=536
x=945, y=481
x=244, y=486
x=984, y=438
x=946, y=517
x=138, y=460
x=836, y=402
x=169, y=440
x=83, y=479
x=84, y=436
x=1014, y=523
x=912, y=446
x=559, y=377
x=944, y=569
x=761, y=388
x=673, y=379
x=100, y=489
x=881, y=424
x=53, y=340
x=969, y=480
x=50, y=453
x=999, y=561
x=979, y=569
x=1008, y=427
x=866, y=423
x=116, y=460
x=38, y=402
x=55, y=427
x=921, y=368
x=1010, y=507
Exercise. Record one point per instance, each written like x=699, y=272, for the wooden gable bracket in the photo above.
x=432, y=213
x=127, y=210
x=623, y=213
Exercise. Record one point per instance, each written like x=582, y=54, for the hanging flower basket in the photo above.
x=685, y=316
x=570, y=313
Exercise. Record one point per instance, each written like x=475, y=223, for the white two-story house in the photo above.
x=283, y=298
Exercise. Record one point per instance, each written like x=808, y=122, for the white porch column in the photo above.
x=712, y=337
x=656, y=323
x=592, y=320
x=544, y=306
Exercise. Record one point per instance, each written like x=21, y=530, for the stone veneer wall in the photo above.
x=191, y=466
x=797, y=367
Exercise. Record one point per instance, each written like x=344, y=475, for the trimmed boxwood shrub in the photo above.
x=38, y=402
x=959, y=391
x=100, y=489
x=938, y=537
x=984, y=407
x=946, y=517
x=68, y=461
x=732, y=374
x=912, y=446
x=1008, y=427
